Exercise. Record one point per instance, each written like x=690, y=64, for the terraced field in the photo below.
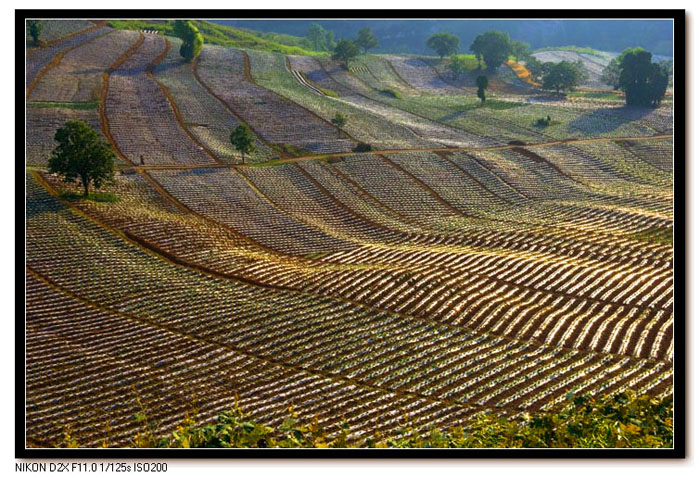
x=446, y=273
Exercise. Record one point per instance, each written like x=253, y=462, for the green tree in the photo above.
x=562, y=76
x=482, y=82
x=458, y=65
x=611, y=73
x=243, y=141
x=493, y=47
x=366, y=40
x=319, y=38
x=520, y=50
x=81, y=154
x=643, y=82
x=35, y=27
x=339, y=120
x=345, y=51
x=444, y=44
x=192, y=39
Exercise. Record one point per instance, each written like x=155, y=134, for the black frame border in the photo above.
x=680, y=232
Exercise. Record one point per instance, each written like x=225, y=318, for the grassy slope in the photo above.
x=221, y=35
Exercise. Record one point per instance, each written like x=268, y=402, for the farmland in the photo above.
x=470, y=263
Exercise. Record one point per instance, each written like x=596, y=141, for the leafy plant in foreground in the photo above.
x=620, y=421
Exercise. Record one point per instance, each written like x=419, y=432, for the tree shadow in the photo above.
x=606, y=120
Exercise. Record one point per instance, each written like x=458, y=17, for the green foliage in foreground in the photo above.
x=624, y=420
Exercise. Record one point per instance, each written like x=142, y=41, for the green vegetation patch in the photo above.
x=291, y=151
x=66, y=105
x=220, y=35
x=391, y=93
x=496, y=104
x=596, y=95
x=622, y=421
x=655, y=235
x=92, y=196
x=329, y=92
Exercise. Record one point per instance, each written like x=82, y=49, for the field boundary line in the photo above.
x=249, y=77
x=104, y=121
x=229, y=108
x=97, y=25
x=170, y=198
x=57, y=61
x=401, y=78
x=173, y=104
x=340, y=204
x=426, y=188
x=447, y=157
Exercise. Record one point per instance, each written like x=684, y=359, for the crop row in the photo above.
x=386, y=198
x=55, y=29
x=377, y=102
x=320, y=335
x=141, y=120
x=207, y=119
x=276, y=119
x=422, y=76
x=657, y=153
x=224, y=195
x=524, y=275
x=78, y=77
x=41, y=126
x=41, y=58
x=384, y=129
x=75, y=349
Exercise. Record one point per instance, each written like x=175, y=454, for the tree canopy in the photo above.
x=366, y=40
x=345, y=51
x=192, y=39
x=482, y=82
x=444, y=44
x=320, y=39
x=81, y=154
x=564, y=75
x=243, y=141
x=339, y=120
x=643, y=82
x=35, y=27
x=520, y=50
x=493, y=47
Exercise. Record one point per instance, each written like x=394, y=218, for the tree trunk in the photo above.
x=85, y=187
x=242, y=158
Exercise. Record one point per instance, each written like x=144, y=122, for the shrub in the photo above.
x=391, y=92
x=329, y=92
x=292, y=151
x=543, y=122
x=362, y=147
